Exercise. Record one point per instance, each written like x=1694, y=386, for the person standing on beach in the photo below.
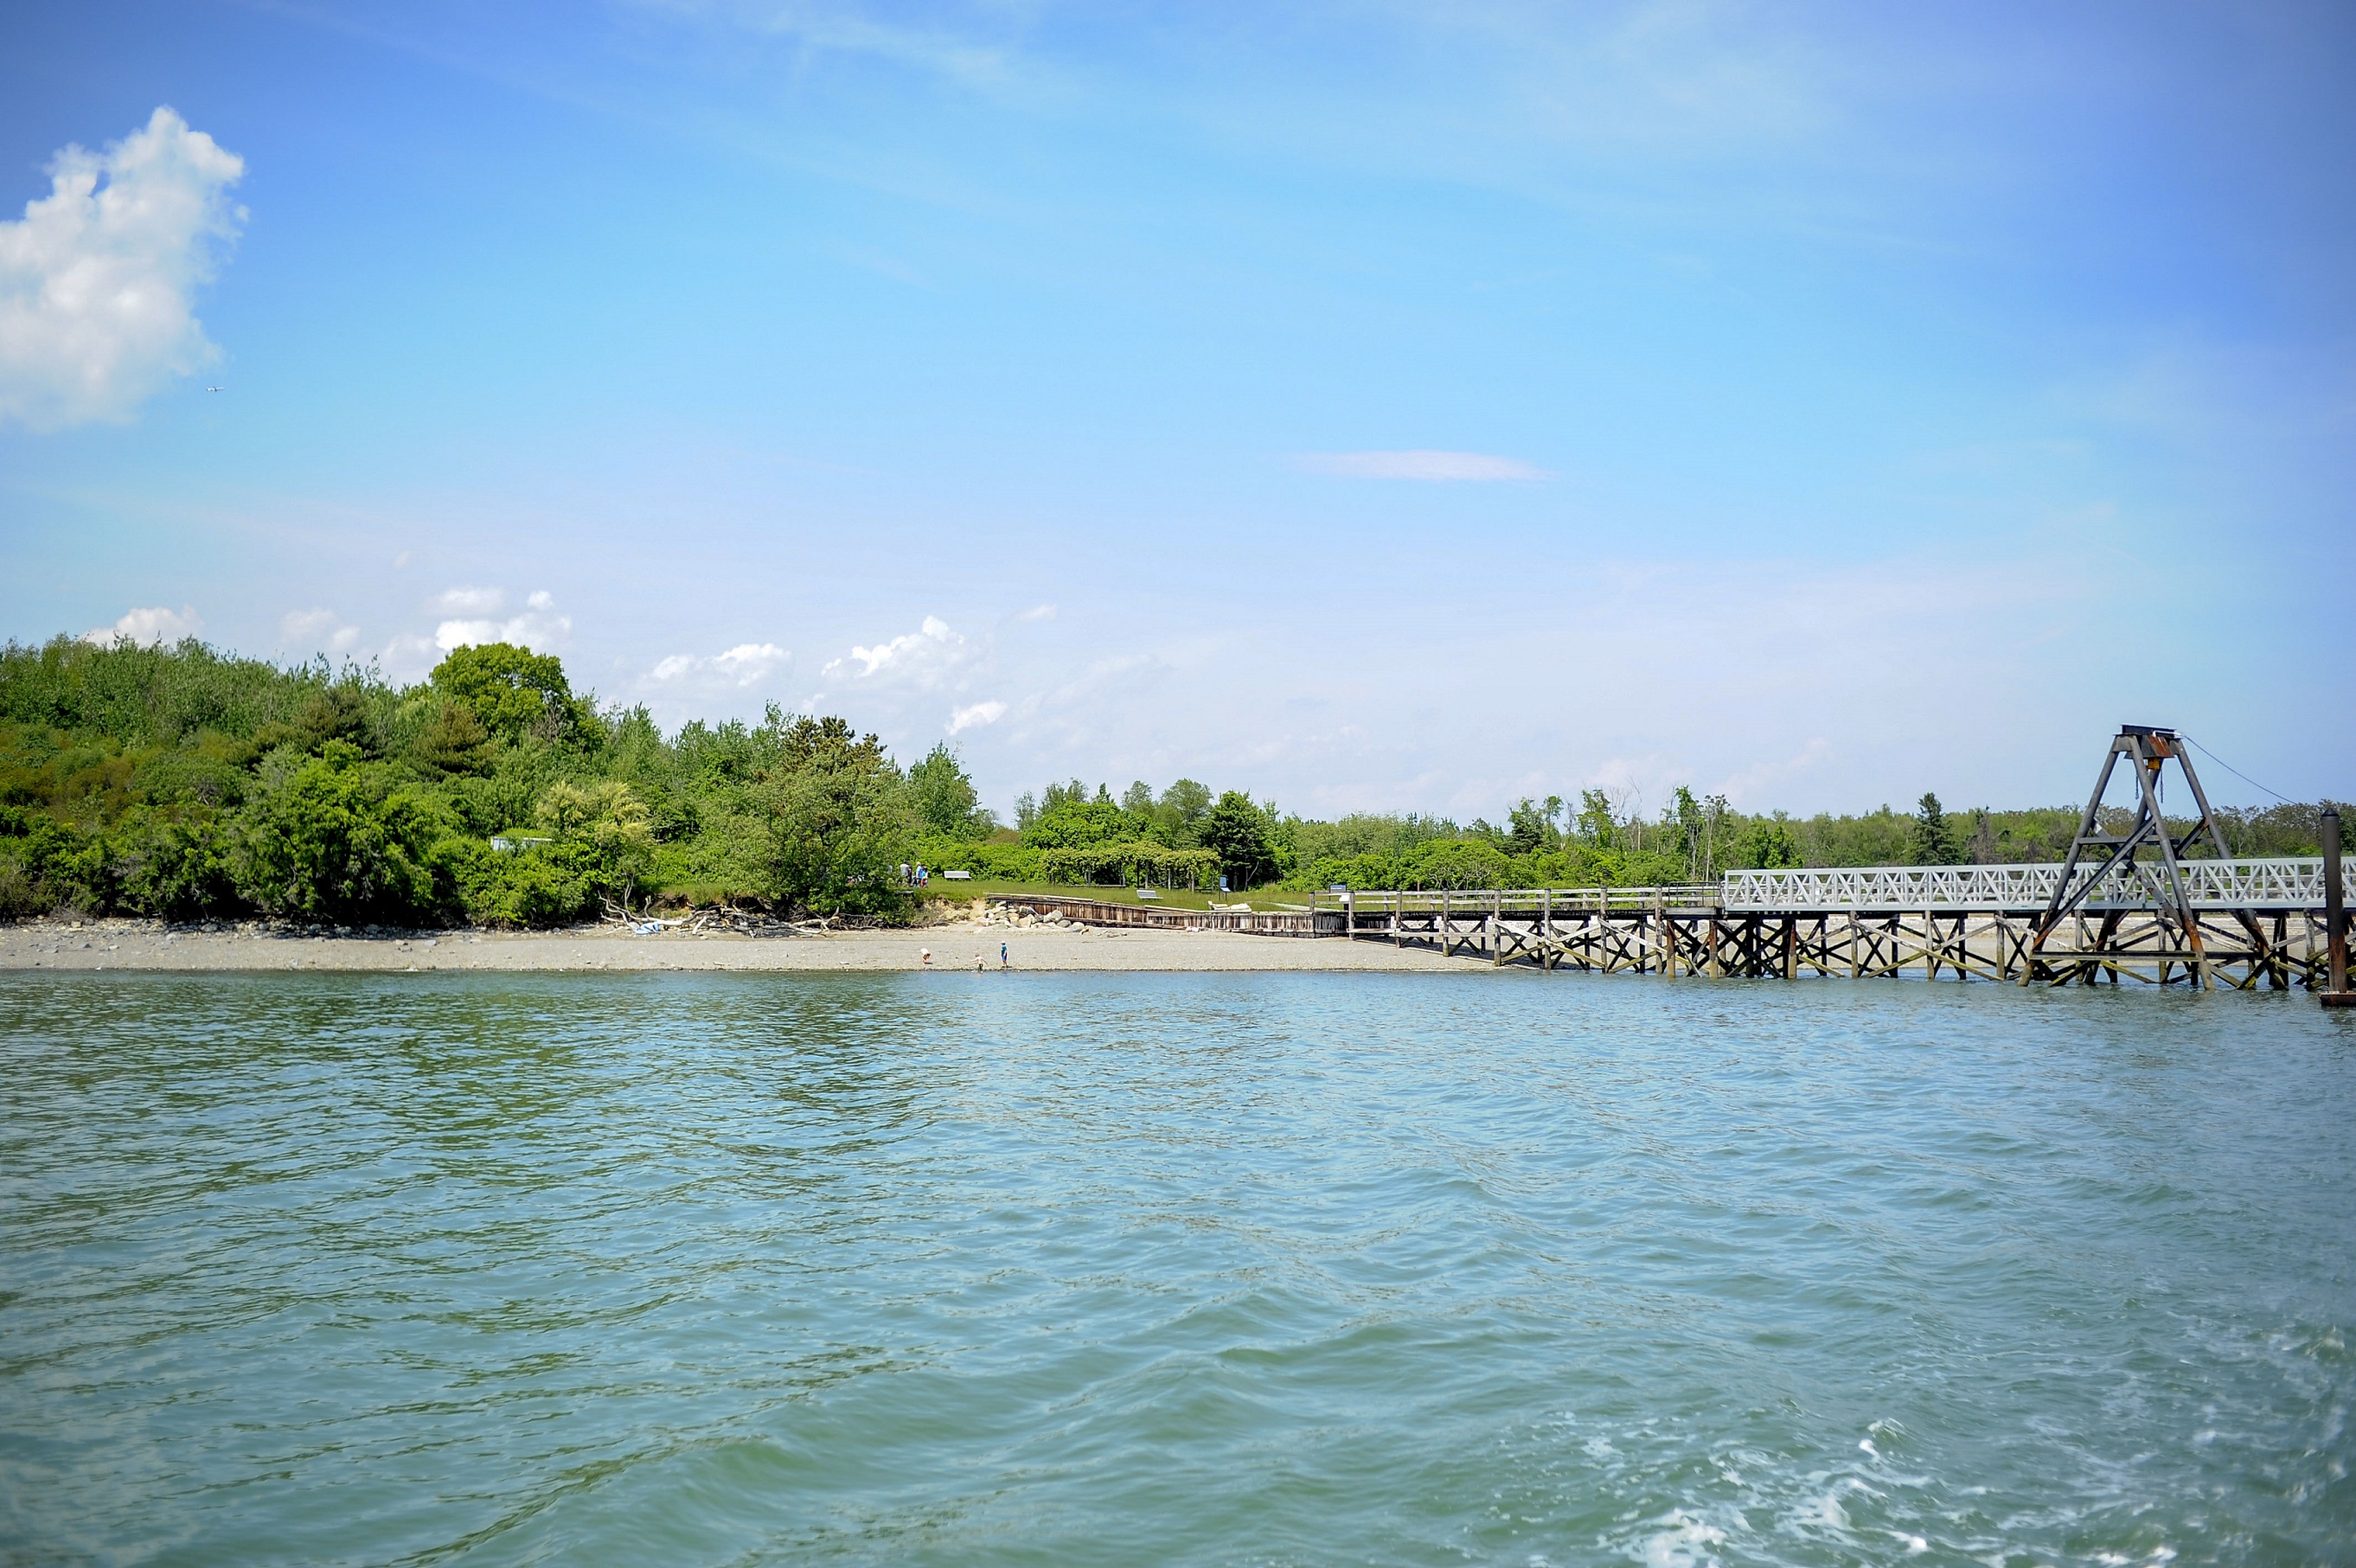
x=1001, y=955
x=924, y=957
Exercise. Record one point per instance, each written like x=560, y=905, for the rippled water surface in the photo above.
x=1144, y=1269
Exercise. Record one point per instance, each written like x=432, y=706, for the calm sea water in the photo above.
x=1142, y=1269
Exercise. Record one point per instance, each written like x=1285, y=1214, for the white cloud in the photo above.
x=539, y=627
x=1477, y=467
x=96, y=281
x=748, y=661
x=315, y=632
x=408, y=656
x=988, y=713
x=928, y=657
x=1038, y=612
x=746, y=664
x=471, y=601
x=149, y=625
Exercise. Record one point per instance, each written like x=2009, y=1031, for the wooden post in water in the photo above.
x=2335, y=916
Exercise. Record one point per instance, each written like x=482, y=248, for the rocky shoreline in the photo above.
x=52, y=944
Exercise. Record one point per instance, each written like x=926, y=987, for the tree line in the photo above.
x=185, y=783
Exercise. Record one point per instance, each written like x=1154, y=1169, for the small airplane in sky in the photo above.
x=216, y=389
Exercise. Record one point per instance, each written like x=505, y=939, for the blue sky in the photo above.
x=1817, y=404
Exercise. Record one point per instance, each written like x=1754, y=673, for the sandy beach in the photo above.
x=110, y=945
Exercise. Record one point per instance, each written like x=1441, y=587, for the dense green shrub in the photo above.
x=544, y=885
x=1005, y=861
x=341, y=839
x=1136, y=862
x=1081, y=823
x=44, y=864
x=178, y=869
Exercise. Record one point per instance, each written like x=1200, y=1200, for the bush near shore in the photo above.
x=181, y=782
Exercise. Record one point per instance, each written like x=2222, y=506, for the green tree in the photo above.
x=1181, y=812
x=1531, y=826
x=513, y=690
x=837, y=814
x=339, y=712
x=1598, y=829
x=1771, y=845
x=944, y=797
x=1236, y=832
x=828, y=743
x=452, y=741
x=1932, y=841
x=1456, y=864
x=1071, y=819
x=338, y=839
x=608, y=818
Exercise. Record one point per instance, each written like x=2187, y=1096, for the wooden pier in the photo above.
x=2254, y=924
x=2245, y=924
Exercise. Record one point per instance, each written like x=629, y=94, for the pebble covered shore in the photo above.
x=56, y=944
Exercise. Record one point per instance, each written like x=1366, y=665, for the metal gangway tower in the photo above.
x=2110, y=860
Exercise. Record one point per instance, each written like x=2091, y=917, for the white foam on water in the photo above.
x=1686, y=1542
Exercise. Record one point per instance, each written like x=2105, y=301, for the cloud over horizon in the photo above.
x=989, y=712
x=928, y=658
x=537, y=627
x=150, y=626
x=97, y=279
x=316, y=632
x=746, y=664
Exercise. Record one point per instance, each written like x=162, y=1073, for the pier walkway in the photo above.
x=2255, y=923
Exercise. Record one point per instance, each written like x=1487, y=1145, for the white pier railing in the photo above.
x=2291, y=882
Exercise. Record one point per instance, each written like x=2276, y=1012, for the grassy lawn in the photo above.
x=988, y=888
